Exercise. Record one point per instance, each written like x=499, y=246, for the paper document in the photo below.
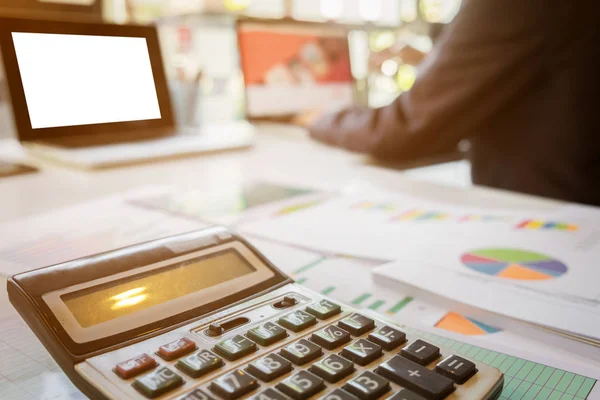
x=549, y=279
x=380, y=227
x=83, y=230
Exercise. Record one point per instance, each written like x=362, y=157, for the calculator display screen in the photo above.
x=108, y=301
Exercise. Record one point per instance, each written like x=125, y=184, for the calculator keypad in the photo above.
x=196, y=394
x=331, y=337
x=176, y=349
x=417, y=378
x=388, y=337
x=235, y=348
x=362, y=352
x=302, y=385
x=368, y=386
x=199, y=364
x=234, y=385
x=301, y=352
x=267, y=334
x=269, y=367
x=332, y=368
x=421, y=352
x=456, y=368
x=324, y=309
x=158, y=382
x=297, y=321
x=135, y=366
x=357, y=324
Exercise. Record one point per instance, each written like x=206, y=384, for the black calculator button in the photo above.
x=270, y=394
x=368, y=386
x=158, y=382
x=135, y=366
x=417, y=378
x=269, y=367
x=302, y=385
x=301, y=352
x=331, y=337
x=234, y=348
x=297, y=321
x=324, y=309
x=196, y=394
x=362, y=352
x=421, y=352
x=406, y=394
x=267, y=334
x=338, y=394
x=199, y=364
x=456, y=368
x=388, y=337
x=234, y=385
x=332, y=368
x=357, y=324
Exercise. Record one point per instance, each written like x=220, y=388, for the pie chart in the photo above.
x=514, y=264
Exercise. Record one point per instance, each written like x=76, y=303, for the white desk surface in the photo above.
x=282, y=152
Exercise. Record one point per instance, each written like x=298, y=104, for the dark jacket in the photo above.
x=520, y=79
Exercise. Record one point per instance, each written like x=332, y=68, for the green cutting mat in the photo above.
x=523, y=380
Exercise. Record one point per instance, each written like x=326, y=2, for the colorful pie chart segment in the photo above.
x=457, y=323
x=514, y=264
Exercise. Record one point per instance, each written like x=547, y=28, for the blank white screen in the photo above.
x=80, y=79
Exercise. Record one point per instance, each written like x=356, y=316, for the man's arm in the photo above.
x=488, y=57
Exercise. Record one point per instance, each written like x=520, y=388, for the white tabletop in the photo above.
x=282, y=152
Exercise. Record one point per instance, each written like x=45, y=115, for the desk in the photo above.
x=282, y=152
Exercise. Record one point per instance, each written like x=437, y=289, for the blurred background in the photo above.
x=387, y=37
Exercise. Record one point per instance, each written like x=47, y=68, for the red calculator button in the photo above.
x=176, y=349
x=135, y=366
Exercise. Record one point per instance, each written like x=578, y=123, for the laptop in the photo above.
x=293, y=67
x=95, y=95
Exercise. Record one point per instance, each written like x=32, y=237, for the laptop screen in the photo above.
x=292, y=67
x=71, y=80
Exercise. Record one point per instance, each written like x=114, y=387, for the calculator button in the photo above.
x=269, y=367
x=417, y=378
x=269, y=394
x=267, y=334
x=331, y=337
x=456, y=368
x=158, y=382
x=388, y=337
x=406, y=394
x=301, y=352
x=368, y=386
x=324, y=309
x=234, y=348
x=176, y=349
x=362, y=352
x=421, y=352
x=196, y=394
x=234, y=385
x=302, y=385
x=297, y=321
x=338, y=394
x=332, y=368
x=135, y=366
x=357, y=324
x=199, y=364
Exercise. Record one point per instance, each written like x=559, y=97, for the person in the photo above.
x=519, y=79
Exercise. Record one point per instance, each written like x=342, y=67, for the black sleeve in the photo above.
x=490, y=54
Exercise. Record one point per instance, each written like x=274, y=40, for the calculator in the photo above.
x=205, y=316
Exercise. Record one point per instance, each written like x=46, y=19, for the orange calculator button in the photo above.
x=135, y=366
x=176, y=349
